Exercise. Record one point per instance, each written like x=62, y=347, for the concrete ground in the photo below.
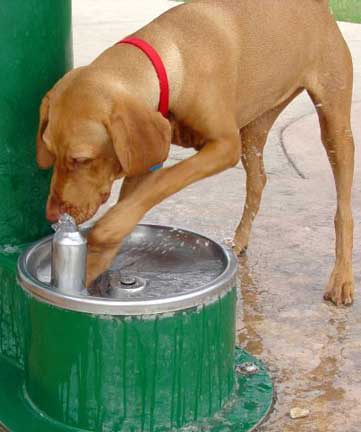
x=312, y=348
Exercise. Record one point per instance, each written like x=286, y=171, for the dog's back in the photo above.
x=250, y=44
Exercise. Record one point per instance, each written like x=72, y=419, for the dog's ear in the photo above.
x=141, y=137
x=43, y=157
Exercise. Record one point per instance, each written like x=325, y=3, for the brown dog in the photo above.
x=233, y=67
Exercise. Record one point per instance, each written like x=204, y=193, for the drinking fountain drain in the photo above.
x=127, y=283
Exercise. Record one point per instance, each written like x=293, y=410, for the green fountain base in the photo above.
x=250, y=405
x=246, y=409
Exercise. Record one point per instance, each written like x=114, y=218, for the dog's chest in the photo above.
x=185, y=136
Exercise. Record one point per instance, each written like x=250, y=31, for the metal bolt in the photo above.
x=128, y=280
x=247, y=368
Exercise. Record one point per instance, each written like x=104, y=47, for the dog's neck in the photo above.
x=148, y=94
x=136, y=78
x=132, y=72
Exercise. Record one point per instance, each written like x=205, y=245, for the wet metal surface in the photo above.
x=246, y=409
x=157, y=270
x=68, y=257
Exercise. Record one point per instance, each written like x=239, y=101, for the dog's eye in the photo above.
x=80, y=160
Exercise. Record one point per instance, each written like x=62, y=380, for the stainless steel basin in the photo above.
x=158, y=269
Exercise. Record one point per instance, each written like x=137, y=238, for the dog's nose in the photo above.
x=52, y=215
x=53, y=210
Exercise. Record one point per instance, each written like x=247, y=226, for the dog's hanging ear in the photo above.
x=43, y=157
x=141, y=137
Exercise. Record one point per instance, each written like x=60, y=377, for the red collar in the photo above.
x=158, y=64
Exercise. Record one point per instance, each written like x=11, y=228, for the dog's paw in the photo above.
x=340, y=289
x=99, y=260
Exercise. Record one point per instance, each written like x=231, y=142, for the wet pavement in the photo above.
x=312, y=348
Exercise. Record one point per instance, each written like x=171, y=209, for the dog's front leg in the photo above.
x=106, y=236
x=130, y=184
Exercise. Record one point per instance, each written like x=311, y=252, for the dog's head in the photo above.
x=91, y=138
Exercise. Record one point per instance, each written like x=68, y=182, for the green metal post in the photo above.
x=149, y=374
x=36, y=50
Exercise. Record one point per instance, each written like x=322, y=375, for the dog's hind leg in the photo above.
x=331, y=92
x=254, y=137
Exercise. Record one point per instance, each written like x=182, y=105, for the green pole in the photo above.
x=36, y=50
